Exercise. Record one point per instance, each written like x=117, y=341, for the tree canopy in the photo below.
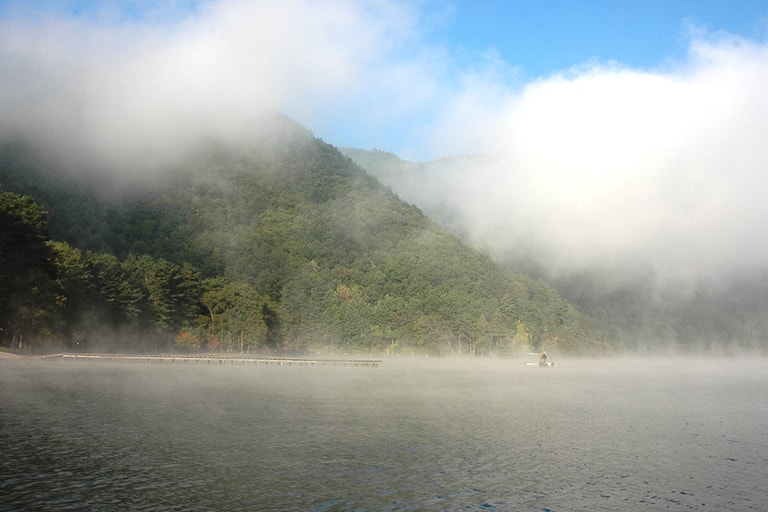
x=285, y=246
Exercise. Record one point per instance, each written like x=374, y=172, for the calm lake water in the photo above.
x=409, y=435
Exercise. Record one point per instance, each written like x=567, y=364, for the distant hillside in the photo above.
x=283, y=244
x=635, y=312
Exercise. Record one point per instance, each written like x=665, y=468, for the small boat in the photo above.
x=548, y=364
x=542, y=363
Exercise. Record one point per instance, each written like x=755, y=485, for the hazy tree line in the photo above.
x=53, y=291
x=637, y=309
x=287, y=248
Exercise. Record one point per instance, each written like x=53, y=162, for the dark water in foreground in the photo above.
x=410, y=435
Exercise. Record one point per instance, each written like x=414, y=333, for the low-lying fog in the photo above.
x=411, y=434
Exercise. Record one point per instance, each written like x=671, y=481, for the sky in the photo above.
x=618, y=131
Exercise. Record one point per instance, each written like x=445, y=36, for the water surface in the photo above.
x=410, y=435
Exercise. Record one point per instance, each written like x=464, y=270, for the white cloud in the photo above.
x=599, y=165
x=127, y=89
x=609, y=166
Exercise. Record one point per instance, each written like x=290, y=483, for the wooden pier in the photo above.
x=220, y=359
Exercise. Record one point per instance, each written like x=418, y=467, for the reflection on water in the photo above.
x=410, y=435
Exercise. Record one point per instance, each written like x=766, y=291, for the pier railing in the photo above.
x=221, y=359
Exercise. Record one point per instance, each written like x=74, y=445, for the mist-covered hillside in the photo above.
x=631, y=303
x=279, y=243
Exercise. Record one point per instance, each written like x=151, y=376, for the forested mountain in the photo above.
x=282, y=244
x=635, y=310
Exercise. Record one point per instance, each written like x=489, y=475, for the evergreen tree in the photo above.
x=28, y=288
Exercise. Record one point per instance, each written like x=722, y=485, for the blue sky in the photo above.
x=619, y=132
x=552, y=35
x=538, y=37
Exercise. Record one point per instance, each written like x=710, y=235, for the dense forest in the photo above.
x=636, y=311
x=282, y=246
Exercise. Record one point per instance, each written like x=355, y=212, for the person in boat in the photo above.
x=543, y=359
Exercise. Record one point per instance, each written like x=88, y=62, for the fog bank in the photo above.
x=654, y=171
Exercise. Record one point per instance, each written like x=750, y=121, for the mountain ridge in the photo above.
x=285, y=244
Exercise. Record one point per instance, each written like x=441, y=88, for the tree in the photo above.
x=304, y=313
x=28, y=288
x=170, y=291
x=78, y=294
x=237, y=315
x=119, y=296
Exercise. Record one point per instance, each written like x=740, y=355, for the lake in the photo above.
x=412, y=434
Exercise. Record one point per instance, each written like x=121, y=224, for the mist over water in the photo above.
x=410, y=435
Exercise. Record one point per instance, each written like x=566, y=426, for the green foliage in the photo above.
x=169, y=292
x=288, y=247
x=28, y=290
x=237, y=316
